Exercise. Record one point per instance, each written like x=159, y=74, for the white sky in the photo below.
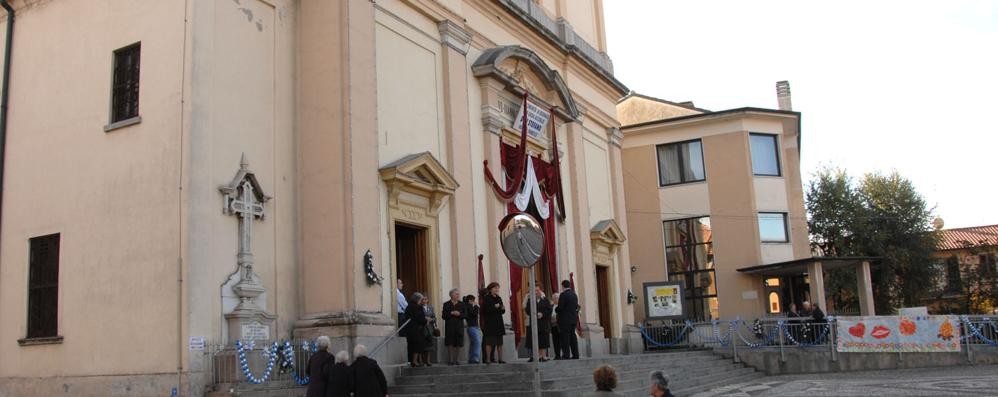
x=882, y=85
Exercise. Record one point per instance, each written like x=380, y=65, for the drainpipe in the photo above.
x=5, y=94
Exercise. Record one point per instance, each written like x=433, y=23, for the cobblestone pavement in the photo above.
x=981, y=380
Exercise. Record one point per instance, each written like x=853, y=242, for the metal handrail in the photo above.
x=388, y=338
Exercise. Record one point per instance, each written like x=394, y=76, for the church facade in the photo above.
x=188, y=171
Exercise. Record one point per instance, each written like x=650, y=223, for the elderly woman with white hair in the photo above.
x=659, y=385
x=368, y=379
x=339, y=376
x=314, y=369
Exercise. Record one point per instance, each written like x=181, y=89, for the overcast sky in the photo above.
x=882, y=85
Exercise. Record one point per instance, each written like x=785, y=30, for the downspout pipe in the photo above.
x=5, y=93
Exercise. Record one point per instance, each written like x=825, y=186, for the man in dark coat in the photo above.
x=568, y=317
x=368, y=380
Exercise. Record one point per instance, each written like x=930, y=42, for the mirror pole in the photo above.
x=533, y=333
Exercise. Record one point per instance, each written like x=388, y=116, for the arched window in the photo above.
x=774, y=302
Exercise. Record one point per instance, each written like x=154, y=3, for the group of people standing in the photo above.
x=333, y=376
x=556, y=322
x=805, y=324
x=484, y=324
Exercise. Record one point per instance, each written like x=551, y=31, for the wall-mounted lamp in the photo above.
x=634, y=269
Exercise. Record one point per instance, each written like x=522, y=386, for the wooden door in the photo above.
x=603, y=299
x=410, y=259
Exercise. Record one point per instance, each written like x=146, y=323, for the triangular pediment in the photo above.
x=421, y=168
x=420, y=174
x=607, y=231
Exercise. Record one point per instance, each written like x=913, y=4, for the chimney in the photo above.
x=783, y=95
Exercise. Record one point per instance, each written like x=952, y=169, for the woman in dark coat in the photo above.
x=339, y=376
x=492, y=311
x=415, y=332
x=453, y=314
x=368, y=379
x=543, y=325
x=431, y=330
x=314, y=369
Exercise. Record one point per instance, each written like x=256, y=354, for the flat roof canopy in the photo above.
x=799, y=266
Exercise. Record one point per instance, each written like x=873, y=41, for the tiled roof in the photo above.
x=950, y=239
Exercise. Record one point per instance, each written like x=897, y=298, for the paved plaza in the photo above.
x=979, y=380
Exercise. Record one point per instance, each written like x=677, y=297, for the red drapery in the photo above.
x=517, y=278
x=514, y=163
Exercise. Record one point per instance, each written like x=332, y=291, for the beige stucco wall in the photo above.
x=222, y=126
x=636, y=109
x=113, y=196
x=644, y=221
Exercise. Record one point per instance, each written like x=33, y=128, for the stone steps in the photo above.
x=689, y=371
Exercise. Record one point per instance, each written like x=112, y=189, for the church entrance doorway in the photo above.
x=411, y=259
x=603, y=298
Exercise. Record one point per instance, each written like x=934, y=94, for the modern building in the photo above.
x=715, y=203
x=185, y=172
x=967, y=257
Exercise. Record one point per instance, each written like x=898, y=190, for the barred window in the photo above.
x=125, y=85
x=43, y=286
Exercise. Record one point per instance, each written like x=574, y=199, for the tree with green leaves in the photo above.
x=882, y=215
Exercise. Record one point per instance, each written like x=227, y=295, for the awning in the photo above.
x=799, y=266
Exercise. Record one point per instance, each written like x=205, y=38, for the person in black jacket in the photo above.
x=314, y=369
x=368, y=380
x=543, y=325
x=492, y=311
x=453, y=314
x=339, y=376
x=415, y=332
x=474, y=331
x=568, y=317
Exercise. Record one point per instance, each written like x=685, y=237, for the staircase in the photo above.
x=689, y=372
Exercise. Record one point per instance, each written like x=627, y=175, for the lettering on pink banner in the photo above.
x=883, y=334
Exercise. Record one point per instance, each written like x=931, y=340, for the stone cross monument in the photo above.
x=244, y=198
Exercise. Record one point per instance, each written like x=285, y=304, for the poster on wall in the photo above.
x=883, y=334
x=537, y=118
x=663, y=301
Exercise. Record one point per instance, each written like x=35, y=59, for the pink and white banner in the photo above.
x=878, y=334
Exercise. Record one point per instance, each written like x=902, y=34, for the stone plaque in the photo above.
x=255, y=331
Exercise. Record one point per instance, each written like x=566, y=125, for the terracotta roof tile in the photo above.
x=958, y=238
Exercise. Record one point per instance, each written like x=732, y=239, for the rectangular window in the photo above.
x=953, y=281
x=765, y=154
x=680, y=163
x=773, y=227
x=987, y=263
x=689, y=257
x=43, y=286
x=125, y=84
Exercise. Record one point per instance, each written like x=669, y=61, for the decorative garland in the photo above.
x=977, y=332
x=675, y=341
x=768, y=340
x=724, y=342
x=289, y=359
x=269, y=353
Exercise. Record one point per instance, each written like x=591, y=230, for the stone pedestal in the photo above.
x=349, y=329
x=250, y=325
x=593, y=343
